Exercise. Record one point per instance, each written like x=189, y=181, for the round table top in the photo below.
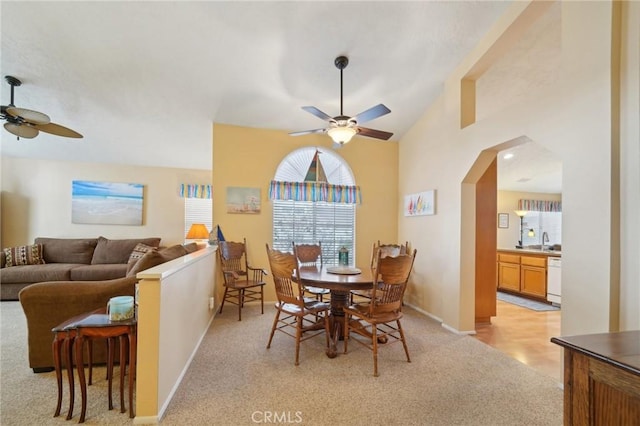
x=319, y=277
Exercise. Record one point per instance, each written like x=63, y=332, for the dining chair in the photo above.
x=310, y=255
x=387, y=249
x=379, y=320
x=293, y=311
x=242, y=283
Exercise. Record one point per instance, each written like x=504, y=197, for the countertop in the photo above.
x=552, y=253
x=621, y=349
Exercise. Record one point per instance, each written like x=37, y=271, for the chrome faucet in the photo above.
x=545, y=239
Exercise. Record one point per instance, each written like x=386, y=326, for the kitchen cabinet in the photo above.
x=524, y=274
x=509, y=272
x=533, y=276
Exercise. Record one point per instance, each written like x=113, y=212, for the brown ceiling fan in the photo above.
x=26, y=123
x=342, y=127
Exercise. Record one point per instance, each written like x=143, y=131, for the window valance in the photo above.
x=188, y=190
x=314, y=191
x=540, y=205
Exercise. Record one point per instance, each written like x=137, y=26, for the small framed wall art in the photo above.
x=420, y=204
x=243, y=200
x=503, y=220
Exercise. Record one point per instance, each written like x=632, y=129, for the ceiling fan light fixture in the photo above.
x=341, y=135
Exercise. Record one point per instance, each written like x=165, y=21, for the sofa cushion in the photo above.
x=37, y=273
x=118, y=251
x=174, y=252
x=67, y=250
x=99, y=272
x=156, y=257
x=23, y=255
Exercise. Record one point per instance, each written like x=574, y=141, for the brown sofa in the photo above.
x=48, y=304
x=68, y=259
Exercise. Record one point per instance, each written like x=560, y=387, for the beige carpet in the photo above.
x=235, y=380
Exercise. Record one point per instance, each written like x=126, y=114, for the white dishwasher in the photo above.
x=554, y=285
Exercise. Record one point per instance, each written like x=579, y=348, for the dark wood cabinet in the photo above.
x=601, y=378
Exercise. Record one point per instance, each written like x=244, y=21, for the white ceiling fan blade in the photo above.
x=22, y=131
x=31, y=116
x=58, y=130
x=307, y=132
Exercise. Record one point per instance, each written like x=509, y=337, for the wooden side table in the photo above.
x=64, y=335
x=601, y=378
x=99, y=326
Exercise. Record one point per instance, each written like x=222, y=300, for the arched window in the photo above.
x=307, y=222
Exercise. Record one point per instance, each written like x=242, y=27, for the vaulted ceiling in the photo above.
x=144, y=81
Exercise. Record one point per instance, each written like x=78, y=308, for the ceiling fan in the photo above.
x=342, y=127
x=26, y=123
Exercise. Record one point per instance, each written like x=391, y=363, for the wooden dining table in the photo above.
x=340, y=286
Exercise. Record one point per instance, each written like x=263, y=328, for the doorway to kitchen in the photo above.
x=519, y=332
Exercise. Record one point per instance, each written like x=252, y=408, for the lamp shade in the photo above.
x=521, y=213
x=341, y=134
x=197, y=232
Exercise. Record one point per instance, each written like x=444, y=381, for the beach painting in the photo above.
x=106, y=203
x=243, y=200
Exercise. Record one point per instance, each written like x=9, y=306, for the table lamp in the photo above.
x=198, y=232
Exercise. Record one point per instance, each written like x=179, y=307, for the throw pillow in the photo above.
x=24, y=255
x=149, y=260
x=156, y=257
x=191, y=247
x=138, y=251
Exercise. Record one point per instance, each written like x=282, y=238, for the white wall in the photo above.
x=630, y=169
x=36, y=200
x=571, y=115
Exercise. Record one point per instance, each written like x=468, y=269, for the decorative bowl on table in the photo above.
x=343, y=270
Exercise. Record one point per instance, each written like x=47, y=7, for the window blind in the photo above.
x=198, y=210
x=307, y=222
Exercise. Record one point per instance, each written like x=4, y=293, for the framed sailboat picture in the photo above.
x=420, y=204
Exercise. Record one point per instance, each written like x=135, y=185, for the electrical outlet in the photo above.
x=211, y=303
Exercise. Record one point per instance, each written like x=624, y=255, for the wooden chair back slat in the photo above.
x=388, y=250
x=284, y=268
x=233, y=256
x=308, y=254
x=391, y=275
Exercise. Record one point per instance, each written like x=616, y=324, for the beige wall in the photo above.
x=574, y=116
x=36, y=200
x=248, y=157
x=508, y=203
